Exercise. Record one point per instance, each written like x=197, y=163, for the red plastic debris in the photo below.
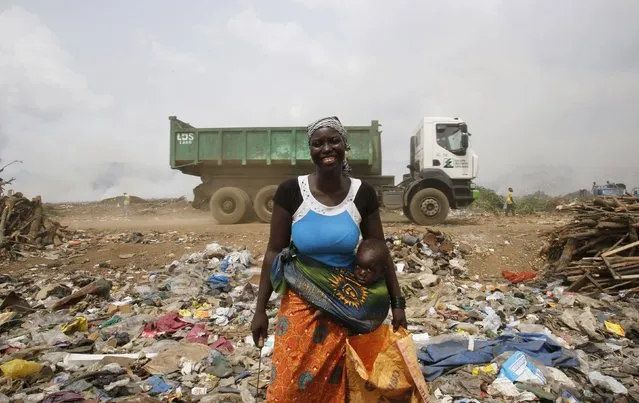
x=518, y=277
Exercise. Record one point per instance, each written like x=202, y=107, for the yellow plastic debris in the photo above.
x=202, y=314
x=486, y=369
x=615, y=328
x=20, y=368
x=80, y=324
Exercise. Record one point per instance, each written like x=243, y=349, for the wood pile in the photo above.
x=599, y=250
x=24, y=226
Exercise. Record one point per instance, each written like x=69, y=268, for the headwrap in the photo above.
x=334, y=123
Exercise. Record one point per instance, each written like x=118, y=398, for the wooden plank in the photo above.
x=620, y=204
x=623, y=261
x=629, y=277
x=619, y=242
x=592, y=280
x=620, y=249
x=578, y=285
x=567, y=254
x=621, y=285
x=615, y=275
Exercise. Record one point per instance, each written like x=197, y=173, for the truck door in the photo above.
x=448, y=148
x=418, y=150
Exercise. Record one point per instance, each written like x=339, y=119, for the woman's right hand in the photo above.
x=259, y=328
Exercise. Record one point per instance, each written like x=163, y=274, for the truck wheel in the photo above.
x=264, y=203
x=228, y=205
x=407, y=214
x=249, y=209
x=429, y=206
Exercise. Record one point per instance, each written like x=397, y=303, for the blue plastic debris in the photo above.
x=158, y=386
x=518, y=368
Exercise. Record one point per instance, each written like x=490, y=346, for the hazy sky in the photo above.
x=550, y=89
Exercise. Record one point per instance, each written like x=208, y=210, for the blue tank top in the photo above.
x=328, y=234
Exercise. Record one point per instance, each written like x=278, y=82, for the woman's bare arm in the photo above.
x=279, y=239
x=371, y=227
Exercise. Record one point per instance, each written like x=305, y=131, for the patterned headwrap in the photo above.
x=334, y=123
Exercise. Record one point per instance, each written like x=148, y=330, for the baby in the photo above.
x=372, y=257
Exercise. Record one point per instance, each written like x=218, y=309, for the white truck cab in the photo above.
x=443, y=143
x=442, y=166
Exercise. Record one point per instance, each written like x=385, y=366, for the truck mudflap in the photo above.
x=201, y=195
x=463, y=193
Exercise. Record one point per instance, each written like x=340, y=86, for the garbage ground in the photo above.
x=142, y=310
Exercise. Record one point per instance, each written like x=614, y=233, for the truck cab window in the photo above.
x=450, y=138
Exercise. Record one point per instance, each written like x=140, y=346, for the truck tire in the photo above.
x=429, y=206
x=407, y=213
x=248, y=216
x=228, y=205
x=263, y=204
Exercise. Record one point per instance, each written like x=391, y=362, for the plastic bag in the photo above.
x=492, y=321
x=514, y=277
x=518, y=368
x=615, y=328
x=20, y=368
x=383, y=364
x=80, y=324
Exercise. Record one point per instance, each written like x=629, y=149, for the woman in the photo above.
x=323, y=214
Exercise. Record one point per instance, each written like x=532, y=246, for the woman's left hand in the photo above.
x=399, y=319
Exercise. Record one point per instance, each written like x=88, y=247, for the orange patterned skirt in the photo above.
x=308, y=356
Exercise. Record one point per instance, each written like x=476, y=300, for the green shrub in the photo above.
x=535, y=203
x=488, y=200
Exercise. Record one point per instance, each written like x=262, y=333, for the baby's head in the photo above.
x=372, y=258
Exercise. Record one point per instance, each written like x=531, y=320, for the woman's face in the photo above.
x=327, y=148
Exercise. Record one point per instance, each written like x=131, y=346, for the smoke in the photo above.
x=547, y=93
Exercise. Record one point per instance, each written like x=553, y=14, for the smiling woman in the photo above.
x=319, y=219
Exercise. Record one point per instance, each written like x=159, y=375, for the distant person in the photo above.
x=126, y=201
x=510, y=202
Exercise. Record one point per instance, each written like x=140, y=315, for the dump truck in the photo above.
x=608, y=190
x=241, y=167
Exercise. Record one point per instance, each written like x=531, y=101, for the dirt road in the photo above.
x=495, y=243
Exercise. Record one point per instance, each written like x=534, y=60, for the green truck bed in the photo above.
x=240, y=167
x=194, y=150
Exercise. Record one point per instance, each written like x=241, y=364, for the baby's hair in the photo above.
x=376, y=247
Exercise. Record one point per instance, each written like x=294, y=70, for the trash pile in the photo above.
x=431, y=252
x=526, y=338
x=24, y=226
x=599, y=250
x=181, y=333
x=79, y=242
x=508, y=341
x=110, y=209
x=176, y=333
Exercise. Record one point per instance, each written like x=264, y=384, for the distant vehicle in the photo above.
x=609, y=190
x=635, y=192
